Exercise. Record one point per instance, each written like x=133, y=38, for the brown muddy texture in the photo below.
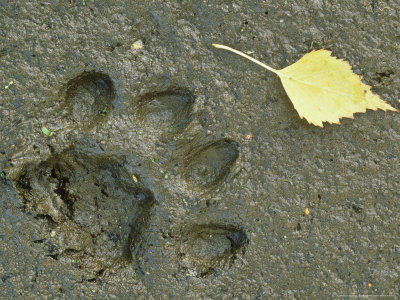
x=151, y=188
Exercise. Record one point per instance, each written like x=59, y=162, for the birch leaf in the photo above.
x=323, y=88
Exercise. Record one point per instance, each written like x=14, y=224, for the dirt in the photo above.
x=181, y=171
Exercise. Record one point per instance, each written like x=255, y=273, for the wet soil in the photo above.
x=181, y=171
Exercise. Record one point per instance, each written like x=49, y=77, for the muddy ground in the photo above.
x=181, y=171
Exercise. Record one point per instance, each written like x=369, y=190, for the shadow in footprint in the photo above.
x=89, y=97
x=207, y=165
x=208, y=247
x=166, y=112
x=92, y=202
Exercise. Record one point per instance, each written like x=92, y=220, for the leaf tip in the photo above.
x=391, y=108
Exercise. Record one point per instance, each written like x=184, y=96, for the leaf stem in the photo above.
x=248, y=57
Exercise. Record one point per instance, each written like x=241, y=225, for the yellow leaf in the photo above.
x=323, y=88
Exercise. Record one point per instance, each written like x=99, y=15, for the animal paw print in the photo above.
x=88, y=97
x=207, y=165
x=102, y=214
x=166, y=112
x=204, y=248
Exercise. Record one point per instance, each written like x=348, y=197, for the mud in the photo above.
x=90, y=200
x=180, y=171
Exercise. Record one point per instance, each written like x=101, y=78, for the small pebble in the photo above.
x=135, y=178
x=137, y=45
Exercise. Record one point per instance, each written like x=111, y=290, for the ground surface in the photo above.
x=151, y=188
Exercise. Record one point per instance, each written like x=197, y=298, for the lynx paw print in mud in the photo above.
x=100, y=212
x=166, y=112
x=206, y=247
x=207, y=165
x=87, y=98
